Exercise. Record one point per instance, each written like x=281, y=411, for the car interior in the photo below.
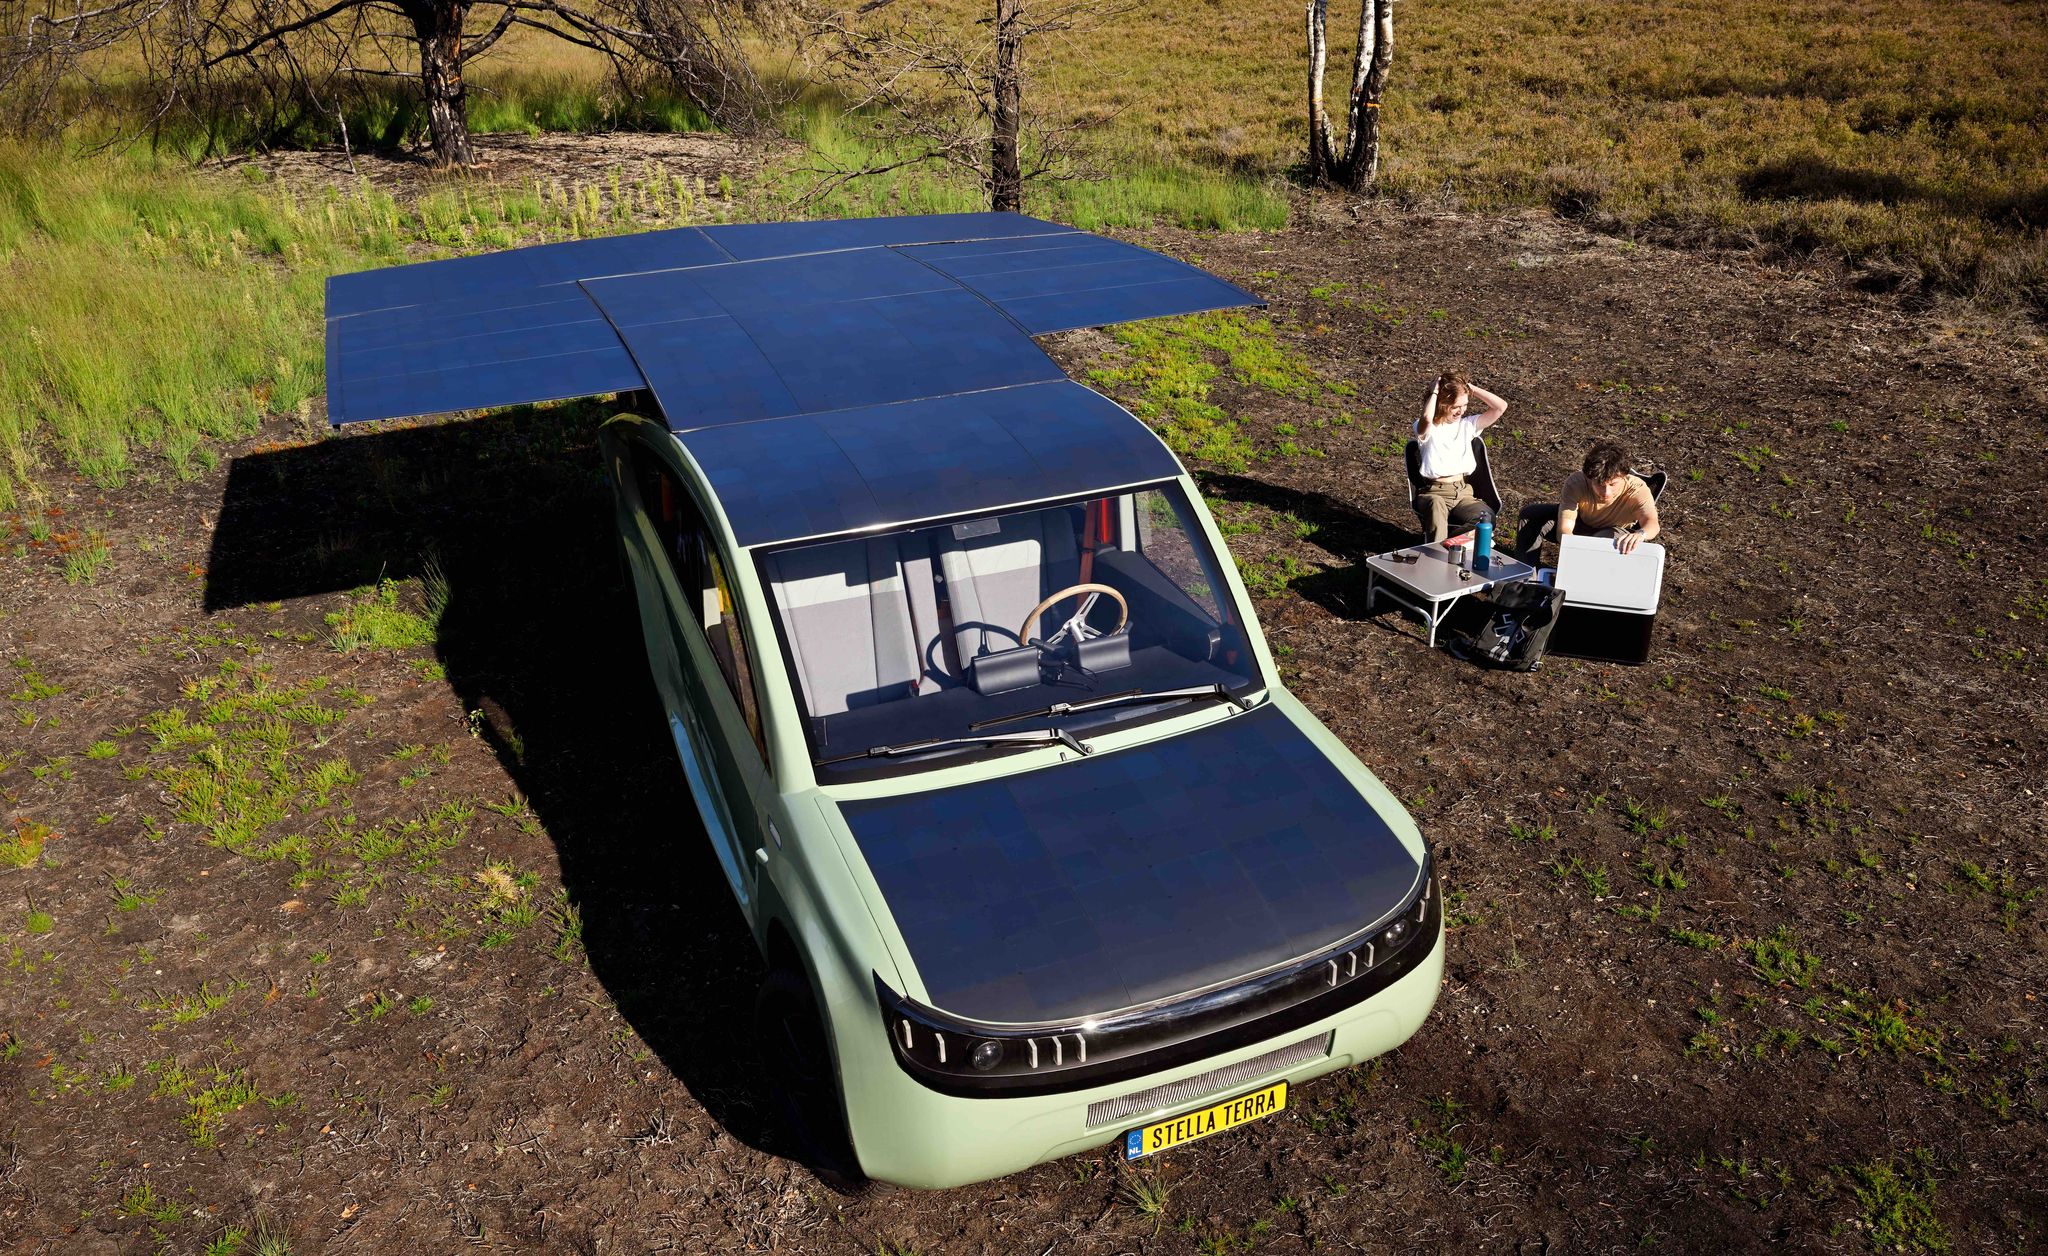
x=928, y=632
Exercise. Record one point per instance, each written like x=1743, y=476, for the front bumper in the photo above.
x=974, y=1060
x=909, y=1134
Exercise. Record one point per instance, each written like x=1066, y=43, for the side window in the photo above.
x=729, y=644
x=677, y=524
x=702, y=577
x=1163, y=538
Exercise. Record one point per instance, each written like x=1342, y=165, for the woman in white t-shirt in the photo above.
x=1445, y=432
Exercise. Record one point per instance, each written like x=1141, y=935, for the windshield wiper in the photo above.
x=1217, y=691
x=1030, y=737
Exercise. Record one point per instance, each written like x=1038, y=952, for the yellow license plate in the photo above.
x=1229, y=1114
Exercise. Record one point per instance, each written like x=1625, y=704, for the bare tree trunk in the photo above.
x=1320, y=155
x=1360, y=163
x=1368, y=85
x=1006, y=169
x=438, y=26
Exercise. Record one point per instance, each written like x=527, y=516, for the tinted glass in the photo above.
x=701, y=576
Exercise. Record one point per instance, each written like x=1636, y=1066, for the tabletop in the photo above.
x=1435, y=575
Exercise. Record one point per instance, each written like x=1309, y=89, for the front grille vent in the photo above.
x=1173, y=1094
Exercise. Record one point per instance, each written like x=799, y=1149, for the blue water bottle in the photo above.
x=1482, y=546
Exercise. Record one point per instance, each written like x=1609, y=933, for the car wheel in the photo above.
x=803, y=1081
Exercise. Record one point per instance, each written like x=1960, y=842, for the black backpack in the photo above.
x=1518, y=625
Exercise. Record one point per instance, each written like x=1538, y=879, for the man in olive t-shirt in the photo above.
x=1601, y=498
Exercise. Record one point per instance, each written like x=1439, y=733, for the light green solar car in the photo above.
x=1041, y=854
x=1020, y=900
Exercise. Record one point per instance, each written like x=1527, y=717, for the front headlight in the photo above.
x=961, y=1057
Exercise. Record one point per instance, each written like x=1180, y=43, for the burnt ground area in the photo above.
x=515, y=159
x=417, y=947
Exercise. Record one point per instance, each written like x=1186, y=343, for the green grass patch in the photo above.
x=151, y=309
x=1185, y=195
x=1271, y=577
x=148, y=308
x=1698, y=939
x=209, y=1099
x=1126, y=188
x=23, y=843
x=85, y=561
x=1166, y=368
x=1897, y=1206
x=375, y=620
x=1779, y=959
x=143, y=1200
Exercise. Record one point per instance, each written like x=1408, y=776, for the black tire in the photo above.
x=803, y=1081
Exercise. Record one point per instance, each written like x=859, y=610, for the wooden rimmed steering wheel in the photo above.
x=1077, y=625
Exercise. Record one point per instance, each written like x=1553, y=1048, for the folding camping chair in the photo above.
x=1481, y=481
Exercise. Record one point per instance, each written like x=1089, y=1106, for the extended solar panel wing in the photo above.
x=734, y=323
x=1061, y=282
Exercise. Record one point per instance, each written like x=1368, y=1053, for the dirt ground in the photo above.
x=1747, y=948
x=515, y=159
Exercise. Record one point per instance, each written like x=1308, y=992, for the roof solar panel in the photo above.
x=770, y=358
x=818, y=317
x=477, y=350
x=1059, y=283
x=749, y=241
x=426, y=359
x=662, y=296
x=969, y=258
x=518, y=270
x=925, y=344
x=436, y=390
x=1065, y=311
x=1081, y=439
x=448, y=321
x=789, y=282
x=781, y=476
x=936, y=459
x=795, y=477
x=709, y=370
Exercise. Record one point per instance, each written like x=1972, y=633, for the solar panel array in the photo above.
x=761, y=323
x=817, y=474
x=1134, y=875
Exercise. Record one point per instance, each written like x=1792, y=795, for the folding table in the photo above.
x=1434, y=581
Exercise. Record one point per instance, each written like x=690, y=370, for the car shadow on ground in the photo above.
x=541, y=641
x=1346, y=532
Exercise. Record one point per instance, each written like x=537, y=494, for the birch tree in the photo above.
x=1359, y=164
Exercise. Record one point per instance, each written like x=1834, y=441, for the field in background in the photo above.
x=1906, y=138
x=144, y=309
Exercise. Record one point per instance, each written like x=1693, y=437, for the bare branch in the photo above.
x=279, y=32
x=478, y=47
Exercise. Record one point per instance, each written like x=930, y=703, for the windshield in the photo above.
x=933, y=634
